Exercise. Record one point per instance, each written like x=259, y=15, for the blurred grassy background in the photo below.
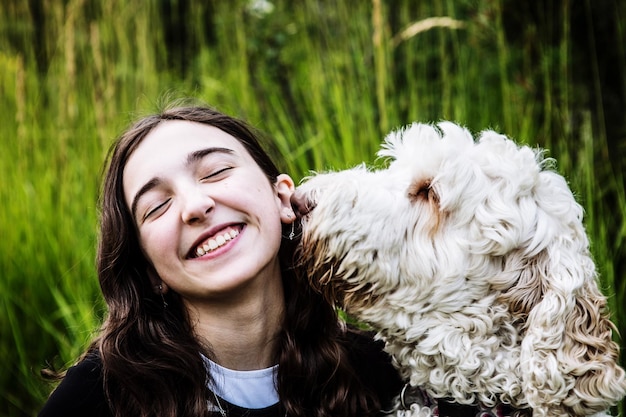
x=325, y=79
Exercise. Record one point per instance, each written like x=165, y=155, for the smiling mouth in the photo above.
x=215, y=242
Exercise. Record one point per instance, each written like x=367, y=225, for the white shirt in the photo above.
x=247, y=389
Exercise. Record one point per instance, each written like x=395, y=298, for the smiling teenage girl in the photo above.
x=204, y=315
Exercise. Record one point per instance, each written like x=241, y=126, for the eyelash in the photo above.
x=216, y=173
x=157, y=208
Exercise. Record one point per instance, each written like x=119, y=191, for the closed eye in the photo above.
x=216, y=173
x=156, y=209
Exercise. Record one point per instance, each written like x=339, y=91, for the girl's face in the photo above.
x=208, y=218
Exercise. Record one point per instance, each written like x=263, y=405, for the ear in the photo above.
x=158, y=286
x=285, y=188
x=568, y=359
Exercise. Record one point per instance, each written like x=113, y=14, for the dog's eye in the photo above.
x=420, y=191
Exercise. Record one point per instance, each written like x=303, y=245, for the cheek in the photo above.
x=265, y=203
x=270, y=219
x=272, y=223
x=156, y=243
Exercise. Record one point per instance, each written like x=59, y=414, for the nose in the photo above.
x=301, y=204
x=196, y=206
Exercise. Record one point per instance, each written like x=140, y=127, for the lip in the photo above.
x=211, y=233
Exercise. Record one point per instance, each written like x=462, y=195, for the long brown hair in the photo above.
x=151, y=360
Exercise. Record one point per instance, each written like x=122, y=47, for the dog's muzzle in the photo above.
x=301, y=204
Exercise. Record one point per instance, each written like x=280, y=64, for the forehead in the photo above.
x=174, y=138
x=168, y=146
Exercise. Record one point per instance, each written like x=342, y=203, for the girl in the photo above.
x=205, y=316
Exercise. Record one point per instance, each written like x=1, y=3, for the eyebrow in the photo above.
x=192, y=158
x=198, y=155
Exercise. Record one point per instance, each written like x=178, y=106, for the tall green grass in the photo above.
x=325, y=80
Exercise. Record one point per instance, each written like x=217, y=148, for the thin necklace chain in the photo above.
x=219, y=405
x=221, y=409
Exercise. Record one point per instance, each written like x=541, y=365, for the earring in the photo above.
x=292, y=234
x=162, y=296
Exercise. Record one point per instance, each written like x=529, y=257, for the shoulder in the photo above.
x=80, y=393
x=373, y=365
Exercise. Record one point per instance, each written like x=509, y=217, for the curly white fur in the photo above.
x=471, y=261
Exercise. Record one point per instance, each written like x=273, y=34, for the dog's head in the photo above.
x=457, y=226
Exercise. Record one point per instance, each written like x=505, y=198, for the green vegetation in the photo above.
x=325, y=80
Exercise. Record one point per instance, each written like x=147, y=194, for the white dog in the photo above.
x=470, y=260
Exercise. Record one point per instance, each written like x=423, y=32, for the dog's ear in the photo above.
x=568, y=359
x=568, y=356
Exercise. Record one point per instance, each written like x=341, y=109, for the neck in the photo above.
x=243, y=330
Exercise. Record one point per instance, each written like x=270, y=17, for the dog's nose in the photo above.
x=301, y=204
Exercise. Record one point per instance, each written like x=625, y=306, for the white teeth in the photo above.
x=213, y=244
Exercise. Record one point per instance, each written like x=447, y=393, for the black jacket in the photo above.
x=81, y=392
